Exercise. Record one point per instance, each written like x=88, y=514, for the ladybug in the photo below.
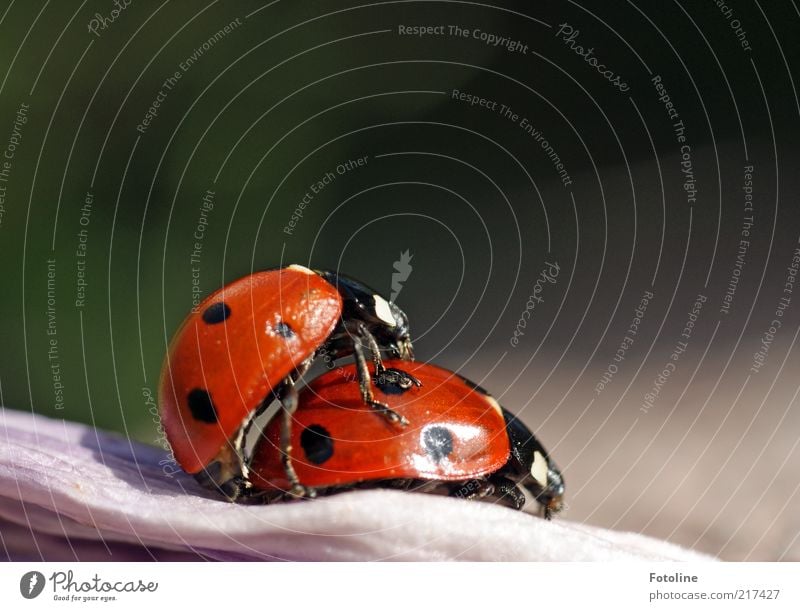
x=463, y=443
x=248, y=343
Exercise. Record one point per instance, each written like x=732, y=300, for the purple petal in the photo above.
x=68, y=491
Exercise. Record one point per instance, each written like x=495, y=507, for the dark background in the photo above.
x=298, y=88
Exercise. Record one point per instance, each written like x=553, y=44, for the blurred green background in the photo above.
x=263, y=112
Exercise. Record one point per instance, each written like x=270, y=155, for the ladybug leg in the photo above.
x=374, y=349
x=396, y=380
x=393, y=376
x=507, y=492
x=472, y=489
x=383, y=376
x=365, y=385
x=288, y=399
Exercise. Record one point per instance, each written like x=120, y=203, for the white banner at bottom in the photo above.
x=399, y=586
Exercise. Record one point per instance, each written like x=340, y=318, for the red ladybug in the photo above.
x=462, y=443
x=247, y=344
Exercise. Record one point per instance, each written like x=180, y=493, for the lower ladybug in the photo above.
x=247, y=344
x=462, y=443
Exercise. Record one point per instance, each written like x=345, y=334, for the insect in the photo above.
x=248, y=343
x=462, y=442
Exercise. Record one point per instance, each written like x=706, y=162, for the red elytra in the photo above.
x=457, y=432
x=226, y=358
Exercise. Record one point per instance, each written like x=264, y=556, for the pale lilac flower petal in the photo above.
x=70, y=492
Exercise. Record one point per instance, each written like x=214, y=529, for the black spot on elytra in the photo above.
x=201, y=406
x=317, y=443
x=438, y=442
x=216, y=313
x=474, y=386
x=284, y=330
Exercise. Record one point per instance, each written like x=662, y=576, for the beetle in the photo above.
x=248, y=343
x=462, y=442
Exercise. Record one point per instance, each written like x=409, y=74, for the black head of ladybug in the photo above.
x=387, y=323
x=532, y=466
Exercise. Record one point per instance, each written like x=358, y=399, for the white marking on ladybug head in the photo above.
x=493, y=402
x=539, y=469
x=299, y=268
x=383, y=310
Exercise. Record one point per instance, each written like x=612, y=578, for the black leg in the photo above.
x=365, y=384
x=288, y=401
x=472, y=489
x=395, y=380
x=286, y=394
x=367, y=337
x=507, y=492
x=393, y=376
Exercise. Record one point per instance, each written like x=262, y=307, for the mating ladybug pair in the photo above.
x=408, y=425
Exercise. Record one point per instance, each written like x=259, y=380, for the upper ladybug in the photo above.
x=246, y=345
